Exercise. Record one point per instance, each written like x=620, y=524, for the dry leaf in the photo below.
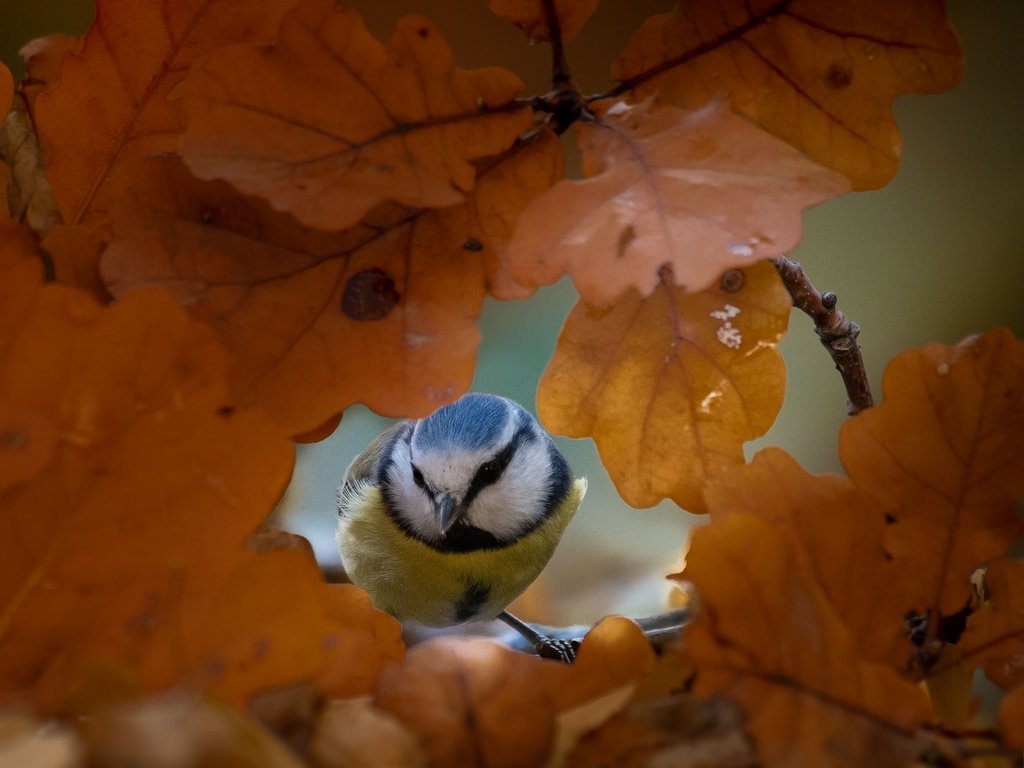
x=402, y=122
x=994, y=638
x=178, y=730
x=944, y=454
x=476, y=703
x=399, y=293
x=531, y=16
x=27, y=743
x=697, y=191
x=768, y=638
x=29, y=197
x=355, y=734
x=820, y=75
x=837, y=531
x=472, y=703
x=74, y=250
x=119, y=97
x=127, y=544
x=43, y=58
x=671, y=386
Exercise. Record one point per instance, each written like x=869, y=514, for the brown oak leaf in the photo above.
x=837, y=531
x=6, y=89
x=698, y=191
x=671, y=386
x=127, y=523
x=767, y=637
x=120, y=96
x=402, y=122
x=399, y=293
x=994, y=638
x=43, y=58
x=944, y=454
x=818, y=74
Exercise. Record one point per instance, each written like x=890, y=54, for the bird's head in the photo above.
x=477, y=473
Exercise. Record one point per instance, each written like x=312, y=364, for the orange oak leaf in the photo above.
x=944, y=454
x=699, y=191
x=819, y=75
x=531, y=16
x=74, y=250
x=476, y=703
x=125, y=541
x=402, y=122
x=399, y=293
x=767, y=637
x=21, y=277
x=43, y=58
x=994, y=638
x=671, y=386
x=472, y=703
x=837, y=532
x=120, y=96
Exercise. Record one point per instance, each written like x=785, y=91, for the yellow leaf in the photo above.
x=671, y=386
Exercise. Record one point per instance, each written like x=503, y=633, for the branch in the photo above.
x=837, y=333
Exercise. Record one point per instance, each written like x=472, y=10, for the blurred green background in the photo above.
x=935, y=256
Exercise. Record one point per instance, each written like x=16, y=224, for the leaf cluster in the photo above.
x=211, y=211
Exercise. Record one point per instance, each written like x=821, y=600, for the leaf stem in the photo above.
x=560, y=74
x=837, y=333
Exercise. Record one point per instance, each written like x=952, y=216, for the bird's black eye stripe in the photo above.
x=490, y=471
x=417, y=476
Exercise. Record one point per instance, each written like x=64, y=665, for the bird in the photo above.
x=447, y=519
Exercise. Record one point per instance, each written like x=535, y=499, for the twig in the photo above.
x=837, y=333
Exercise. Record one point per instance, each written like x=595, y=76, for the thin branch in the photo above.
x=837, y=333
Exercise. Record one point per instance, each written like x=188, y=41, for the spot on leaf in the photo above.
x=370, y=294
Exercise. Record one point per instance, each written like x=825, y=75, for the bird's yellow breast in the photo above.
x=411, y=580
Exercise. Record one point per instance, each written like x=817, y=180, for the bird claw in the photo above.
x=558, y=650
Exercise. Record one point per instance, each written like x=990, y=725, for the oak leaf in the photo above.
x=472, y=703
x=672, y=385
x=837, y=532
x=382, y=313
x=43, y=58
x=476, y=703
x=994, y=638
x=944, y=455
x=767, y=637
x=126, y=540
x=698, y=191
x=531, y=16
x=402, y=122
x=119, y=97
x=819, y=75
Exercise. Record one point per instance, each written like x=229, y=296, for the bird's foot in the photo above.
x=558, y=650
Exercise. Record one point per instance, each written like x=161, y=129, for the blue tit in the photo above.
x=448, y=519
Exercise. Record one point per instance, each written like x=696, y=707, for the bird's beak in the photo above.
x=448, y=513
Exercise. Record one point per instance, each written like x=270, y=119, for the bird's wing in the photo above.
x=364, y=466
